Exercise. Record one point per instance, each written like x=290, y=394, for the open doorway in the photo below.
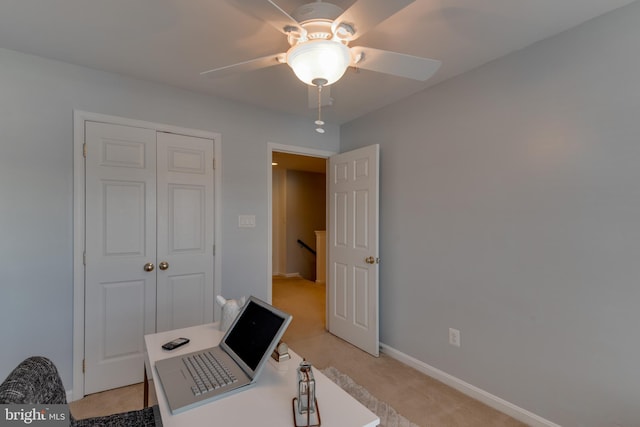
x=298, y=209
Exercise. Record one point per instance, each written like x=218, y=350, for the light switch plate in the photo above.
x=246, y=221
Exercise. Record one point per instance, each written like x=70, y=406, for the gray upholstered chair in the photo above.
x=36, y=381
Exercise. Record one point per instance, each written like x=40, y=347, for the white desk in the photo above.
x=268, y=403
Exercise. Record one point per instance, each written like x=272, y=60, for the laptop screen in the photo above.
x=254, y=331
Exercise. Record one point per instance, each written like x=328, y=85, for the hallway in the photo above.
x=305, y=300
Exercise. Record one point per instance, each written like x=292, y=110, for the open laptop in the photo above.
x=242, y=352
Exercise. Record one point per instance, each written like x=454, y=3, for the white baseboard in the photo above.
x=289, y=275
x=489, y=399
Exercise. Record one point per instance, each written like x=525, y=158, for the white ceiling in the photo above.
x=172, y=41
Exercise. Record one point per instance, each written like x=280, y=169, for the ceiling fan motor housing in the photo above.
x=316, y=20
x=317, y=10
x=316, y=56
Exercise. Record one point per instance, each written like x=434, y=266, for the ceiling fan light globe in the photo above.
x=319, y=59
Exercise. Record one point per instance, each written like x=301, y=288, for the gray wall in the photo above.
x=299, y=209
x=510, y=210
x=305, y=214
x=36, y=188
x=279, y=220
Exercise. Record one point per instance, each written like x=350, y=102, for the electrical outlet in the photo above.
x=454, y=337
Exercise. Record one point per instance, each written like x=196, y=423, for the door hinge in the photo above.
x=214, y=250
x=83, y=366
x=214, y=163
x=84, y=258
x=84, y=150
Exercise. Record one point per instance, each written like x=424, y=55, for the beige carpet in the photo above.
x=389, y=417
x=421, y=399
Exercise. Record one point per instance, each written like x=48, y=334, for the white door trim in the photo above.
x=292, y=149
x=79, y=118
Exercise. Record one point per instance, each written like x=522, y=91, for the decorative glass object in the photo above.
x=305, y=407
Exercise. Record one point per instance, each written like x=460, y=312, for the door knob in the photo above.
x=163, y=265
x=149, y=266
x=371, y=260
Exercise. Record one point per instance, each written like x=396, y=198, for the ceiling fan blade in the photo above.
x=271, y=13
x=250, y=65
x=363, y=15
x=397, y=64
x=325, y=97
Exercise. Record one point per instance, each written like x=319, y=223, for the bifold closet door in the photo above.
x=149, y=244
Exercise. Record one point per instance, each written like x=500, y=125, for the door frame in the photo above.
x=291, y=149
x=79, y=119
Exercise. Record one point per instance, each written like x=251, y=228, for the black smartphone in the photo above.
x=175, y=343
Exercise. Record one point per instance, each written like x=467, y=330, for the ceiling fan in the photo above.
x=319, y=34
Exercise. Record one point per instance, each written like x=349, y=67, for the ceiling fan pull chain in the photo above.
x=319, y=122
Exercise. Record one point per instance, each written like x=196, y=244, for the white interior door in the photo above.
x=185, y=231
x=120, y=296
x=353, y=247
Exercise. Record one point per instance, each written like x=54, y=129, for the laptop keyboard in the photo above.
x=207, y=372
